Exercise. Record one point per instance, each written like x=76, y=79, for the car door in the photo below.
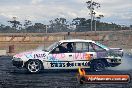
x=100, y=52
x=60, y=57
x=82, y=56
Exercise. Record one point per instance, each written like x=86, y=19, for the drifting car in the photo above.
x=70, y=54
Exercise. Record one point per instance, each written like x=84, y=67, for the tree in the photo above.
x=97, y=21
x=15, y=23
x=91, y=6
x=27, y=23
x=39, y=27
x=82, y=24
x=58, y=25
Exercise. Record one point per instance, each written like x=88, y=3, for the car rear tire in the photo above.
x=34, y=66
x=97, y=66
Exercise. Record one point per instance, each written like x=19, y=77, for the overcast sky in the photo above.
x=116, y=11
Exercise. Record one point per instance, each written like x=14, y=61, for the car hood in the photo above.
x=115, y=52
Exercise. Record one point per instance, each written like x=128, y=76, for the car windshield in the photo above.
x=101, y=45
x=52, y=46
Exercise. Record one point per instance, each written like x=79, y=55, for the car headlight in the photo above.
x=114, y=59
x=16, y=59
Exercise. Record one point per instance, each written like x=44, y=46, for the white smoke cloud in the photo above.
x=126, y=62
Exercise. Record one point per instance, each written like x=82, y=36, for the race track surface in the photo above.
x=11, y=77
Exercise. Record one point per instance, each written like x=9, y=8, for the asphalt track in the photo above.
x=11, y=77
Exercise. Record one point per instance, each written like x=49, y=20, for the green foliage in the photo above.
x=60, y=25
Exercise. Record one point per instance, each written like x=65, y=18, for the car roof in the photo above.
x=75, y=40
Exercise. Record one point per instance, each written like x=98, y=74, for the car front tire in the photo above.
x=34, y=66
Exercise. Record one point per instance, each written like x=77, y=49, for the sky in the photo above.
x=115, y=11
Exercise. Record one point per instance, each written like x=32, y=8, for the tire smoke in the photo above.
x=126, y=62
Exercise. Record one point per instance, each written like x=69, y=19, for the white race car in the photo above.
x=70, y=54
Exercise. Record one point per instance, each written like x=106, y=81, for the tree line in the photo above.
x=59, y=25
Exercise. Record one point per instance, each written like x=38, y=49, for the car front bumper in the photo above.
x=17, y=62
x=114, y=62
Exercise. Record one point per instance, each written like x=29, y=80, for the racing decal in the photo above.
x=88, y=56
x=68, y=64
x=85, y=56
x=61, y=56
x=39, y=55
x=57, y=64
x=52, y=59
x=31, y=55
x=75, y=56
x=101, y=54
x=27, y=54
x=79, y=56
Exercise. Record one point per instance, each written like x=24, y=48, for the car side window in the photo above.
x=59, y=49
x=66, y=47
x=81, y=47
x=91, y=49
x=95, y=48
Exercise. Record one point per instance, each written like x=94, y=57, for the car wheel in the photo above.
x=98, y=66
x=34, y=66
